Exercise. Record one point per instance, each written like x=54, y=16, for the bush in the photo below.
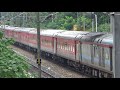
x=1, y=34
x=52, y=25
x=104, y=28
x=11, y=64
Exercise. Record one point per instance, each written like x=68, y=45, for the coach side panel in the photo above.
x=66, y=48
x=47, y=44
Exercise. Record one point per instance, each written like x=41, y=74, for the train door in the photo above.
x=78, y=51
x=107, y=58
x=96, y=55
x=86, y=53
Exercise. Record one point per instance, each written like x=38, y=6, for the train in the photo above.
x=89, y=52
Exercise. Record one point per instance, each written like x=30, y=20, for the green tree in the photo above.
x=82, y=20
x=104, y=27
x=52, y=25
x=11, y=64
x=61, y=20
x=66, y=23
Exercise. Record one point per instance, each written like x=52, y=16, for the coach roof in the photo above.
x=22, y=29
x=71, y=34
x=106, y=39
x=90, y=37
x=47, y=32
x=51, y=32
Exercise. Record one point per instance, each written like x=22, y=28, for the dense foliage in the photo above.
x=11, y=64
x=62, y=20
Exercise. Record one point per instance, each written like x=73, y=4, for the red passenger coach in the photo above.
x=66, y=44
x=47, y=43
x=47, y=40
x=16, y=34
x=32, y=38
x=9, y=32
x=21, y=35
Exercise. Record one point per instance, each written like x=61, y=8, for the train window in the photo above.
x=62, y=46
x=58, y=45
x=41, y=41
x=97, y=55
x=67, y=47
x=86, y=52
x=102, y=57
x=107, y=57
x=45, y=42
x=34, y=37
x=96, y=51
x=100, y=51
x=71, y=48
x=50, y=43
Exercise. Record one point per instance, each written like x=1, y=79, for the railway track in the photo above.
x=45, y=72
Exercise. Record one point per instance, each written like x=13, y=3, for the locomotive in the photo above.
x=88, y=52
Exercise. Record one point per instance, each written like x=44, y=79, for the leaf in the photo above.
x=5, y=70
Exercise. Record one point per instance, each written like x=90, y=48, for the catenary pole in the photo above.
x=38, y=43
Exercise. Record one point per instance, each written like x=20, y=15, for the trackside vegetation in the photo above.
x=11, y=64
